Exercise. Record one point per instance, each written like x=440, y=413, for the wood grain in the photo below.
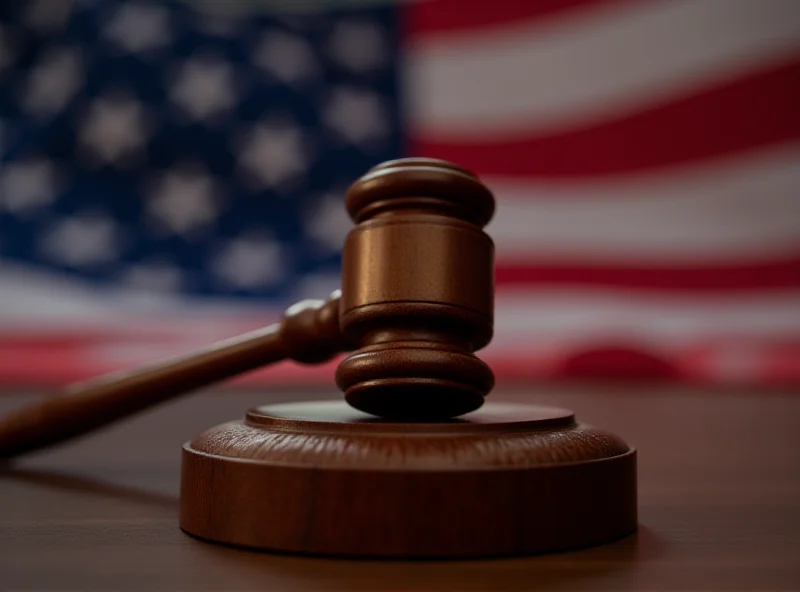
x=321, y=477
x=719, y=493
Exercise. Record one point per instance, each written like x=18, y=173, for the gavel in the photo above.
x=416, y=302
x=411, y=463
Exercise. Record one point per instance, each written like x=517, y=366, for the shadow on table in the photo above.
x=609, y=567
x=86, y=485
x=598, y=568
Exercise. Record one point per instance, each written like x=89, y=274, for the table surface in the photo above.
x=719, y=505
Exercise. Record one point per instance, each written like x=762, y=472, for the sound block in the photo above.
x=323, y=478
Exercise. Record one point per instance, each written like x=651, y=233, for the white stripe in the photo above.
x=32, y=298
x=524, y=318
x=535, y=316
x=741, y=208
x=598, y=64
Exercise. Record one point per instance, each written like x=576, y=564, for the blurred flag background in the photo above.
x=172, y=173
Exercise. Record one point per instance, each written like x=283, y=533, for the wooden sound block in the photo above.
x=323, y=478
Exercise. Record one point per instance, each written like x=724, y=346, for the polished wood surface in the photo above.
x=719, y=505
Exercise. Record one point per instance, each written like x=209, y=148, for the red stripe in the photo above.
x=769, y=275
x=434, y=17
x=753, y=111
x=779, y=364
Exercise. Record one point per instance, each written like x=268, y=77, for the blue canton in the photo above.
x=152, y=145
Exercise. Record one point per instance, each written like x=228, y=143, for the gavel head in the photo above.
x=417, y=291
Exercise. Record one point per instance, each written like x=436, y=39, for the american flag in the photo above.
x=172, y=173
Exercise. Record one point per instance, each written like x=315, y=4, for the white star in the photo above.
x=46, y=15
x=82, y=241
x=287, y=57
x=53, y=81
x=153, y=277
x=250, y=263
x=137, y=27
x=274, y=154
x=204, y=87
x=27, y=186
x=328, y=223
x=219, y=23
x=183, y=202
x=5, y=136
x=6, y=48
x=114, y=129
x=358, y=45
x=356, y=115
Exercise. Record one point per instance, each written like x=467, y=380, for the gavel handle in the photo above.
x=309, y=333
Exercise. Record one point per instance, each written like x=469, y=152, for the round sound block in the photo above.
x=323, y=478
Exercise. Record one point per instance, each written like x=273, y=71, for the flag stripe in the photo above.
x=730, y=209
x=526, y=316
x=589, y=67
x=719, y=279
x=438, y=17
x=706, y=124
x=760, y=364
x=736, y=340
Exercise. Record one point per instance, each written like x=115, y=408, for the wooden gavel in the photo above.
x=417, y=300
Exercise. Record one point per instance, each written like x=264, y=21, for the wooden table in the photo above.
x=719, y=477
